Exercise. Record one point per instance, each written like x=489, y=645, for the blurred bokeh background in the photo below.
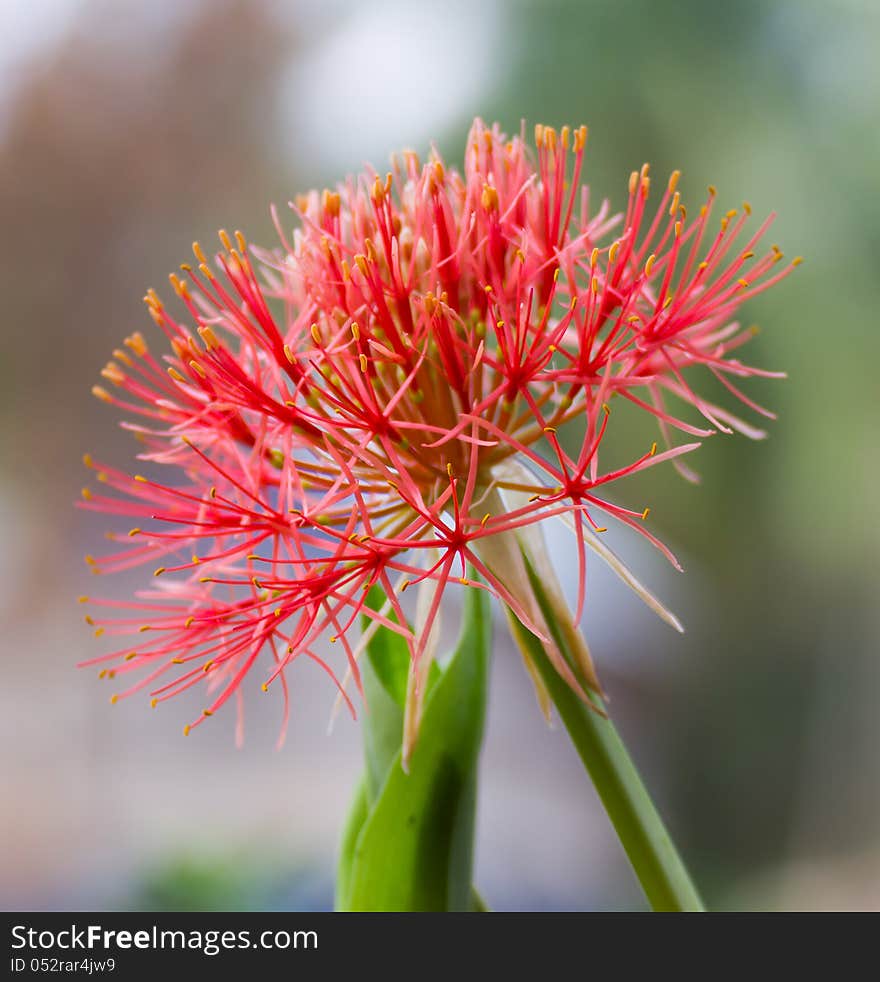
x=128, y=129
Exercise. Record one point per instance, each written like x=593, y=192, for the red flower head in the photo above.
x=379, y=402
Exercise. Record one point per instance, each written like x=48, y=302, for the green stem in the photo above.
x=650, y=849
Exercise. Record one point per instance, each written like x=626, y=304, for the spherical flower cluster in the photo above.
x=378, y=402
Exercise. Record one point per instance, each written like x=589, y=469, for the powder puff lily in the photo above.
x=383, y=401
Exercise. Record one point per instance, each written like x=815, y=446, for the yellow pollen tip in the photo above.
x=224, y=238
x=143, y=628
x=101, y=394
x=612, y=252
x=207, y=666
x=134, y=532
x=673, y=181
x=87, y=494
x=264, y=687
x=649, y=265
x=594, y=257
x=89, y=620
x=549, y=429
x=645, y=513
x=114, y=699
x=207, y=712
x=712, y=190
x=209, y=338
x=603, y=529
x=362, y=359
x=102, y=674
x=606, y=408
x=355, y=331
x=489, y=198
x=485, y=519
x=316, y=334
x=463, y=581
x=173, y=372
x=159, y=571
x=82, y=600
x=288, y=354
x=797, y=260
x=130, y=655
x=154, y=702
x=186, y=730
x=653, y=449
x=99, y=631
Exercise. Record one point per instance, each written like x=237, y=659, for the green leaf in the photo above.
x=357, y=815
x=641, y=831
x=414, y=850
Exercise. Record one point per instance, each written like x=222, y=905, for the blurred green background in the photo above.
x=129, y=129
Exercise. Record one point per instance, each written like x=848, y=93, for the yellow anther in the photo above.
x=241, y=241
x=154, y=702
x=89, y=620
x=361, y=262
x=264, y=687
x=606, y=408
x=633, y=181
x=747, y=208
x=120, y=355
x=135, y=342
x=565, y=137
x=102, y=674
x=580, y=138
x=612, y=252
x=113, y=373
x=355, y=331
x=463, y=581
x=330, y=201
x=197, y=368
x=731, y=214
x=485, y=519
x=449, y=469
x=159, y=571
x=207, y=666
x=594, y=285
x=797, y=260
x=653, y=448
x=677, y=229
x=712, y=190
x=188, y=622
x=87, y=494
x=649, y=265
x=130, y=655
x=82, y=600
x=144, y=628
x=186, y=729
x=207, y=712
x=673, y=181
x=209, y=338
x=199, y=252
x=556, y=275
x=603, y=529
x=676, y=200
x=645, y=513
x=224, y=238
x=743, y=283
x=173, y=372
x=114, y=699
x=539, y=135
x=489, y=198
x=594, y=257
x=362, y=359
x=134, y=531
x=549, y=429
x=346, y=271
x=747, y=255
